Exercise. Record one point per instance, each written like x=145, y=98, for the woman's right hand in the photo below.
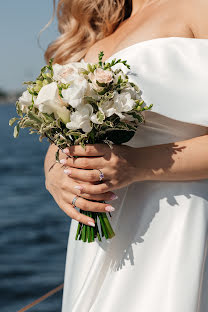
x=64, y=189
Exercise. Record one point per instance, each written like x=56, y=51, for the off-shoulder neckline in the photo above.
x=146, y=42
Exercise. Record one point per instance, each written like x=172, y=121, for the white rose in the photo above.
x=134, y=94
x=67, y=73
x=48, y=101
x=102, y=76
x=25, y=100
x=80, y=119
x=120, y=103
x=109, y=108
x=123, y=103
x=74, y=94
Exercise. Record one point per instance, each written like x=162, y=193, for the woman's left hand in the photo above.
x=119, y=166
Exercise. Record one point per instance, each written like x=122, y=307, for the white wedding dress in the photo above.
x=158, y=261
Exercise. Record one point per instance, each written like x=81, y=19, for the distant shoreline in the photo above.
x=7, y=101
x=9, y=96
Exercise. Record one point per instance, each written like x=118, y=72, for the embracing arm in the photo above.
x=123, y=165
x=180, y=161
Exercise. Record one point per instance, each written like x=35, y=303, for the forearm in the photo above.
x=180, y=161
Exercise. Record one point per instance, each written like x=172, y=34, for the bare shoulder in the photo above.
x=198, y=12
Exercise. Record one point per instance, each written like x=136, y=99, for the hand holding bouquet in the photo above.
x=80, y=103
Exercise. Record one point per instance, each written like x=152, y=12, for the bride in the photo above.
x=156, y=185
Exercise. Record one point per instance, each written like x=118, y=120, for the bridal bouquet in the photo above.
x=80, y=103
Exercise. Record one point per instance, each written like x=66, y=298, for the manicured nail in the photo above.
x=113, y=197
x=91, y=223
x=109, y=208
x=78, y=187
x=66, y=151
x=67, y=171
x=63, y=161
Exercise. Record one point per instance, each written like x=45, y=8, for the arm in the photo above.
x=180, y=161
x=123, y=165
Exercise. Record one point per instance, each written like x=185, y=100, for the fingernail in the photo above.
x=67, y=171
x=78, y=187
x=91, y=223
x=66, y=151
x=109, y=208
x=63, y=161
x=113, y=197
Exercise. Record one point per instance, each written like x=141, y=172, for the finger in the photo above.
x=74, y=214
x=88, y=150
x=88, y=205
x=94, y=188
x=84, y=162
x=108, y=196
x=85, y=175
x=70, y=186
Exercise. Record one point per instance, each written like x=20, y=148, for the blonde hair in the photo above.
x=83, y=22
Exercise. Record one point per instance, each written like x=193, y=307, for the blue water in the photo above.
x=33, y=230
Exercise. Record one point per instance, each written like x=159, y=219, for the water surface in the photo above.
x=33, y=230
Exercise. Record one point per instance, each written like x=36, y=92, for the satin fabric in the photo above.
x=157, y=262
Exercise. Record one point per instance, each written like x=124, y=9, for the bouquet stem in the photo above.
x=88, y=233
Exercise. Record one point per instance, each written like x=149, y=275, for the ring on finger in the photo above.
x=74, y=201
x=101, y=175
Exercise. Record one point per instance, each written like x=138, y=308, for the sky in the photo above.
x=20, y=56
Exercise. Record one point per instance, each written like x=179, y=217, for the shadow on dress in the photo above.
x=144, y=209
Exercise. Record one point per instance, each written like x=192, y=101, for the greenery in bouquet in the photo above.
x=80, y=103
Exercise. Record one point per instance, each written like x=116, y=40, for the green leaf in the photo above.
x=82, y=144
x=119, y=80
x=28, y=82
x=48, y=117
x=28, y=123
x=16, y=130
x=101, y=84
x=100, y=58
x=90, y=68
x=64, y=85
x=12, y=121
x=34, y=117
x=51, y=65
x=84, y=71
x=103, y=91
x=90, y=100
x=114, y=62
x=119, y=136
x=100, y=116
x=57, y=156
x=18, y=109
x=43, y=69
